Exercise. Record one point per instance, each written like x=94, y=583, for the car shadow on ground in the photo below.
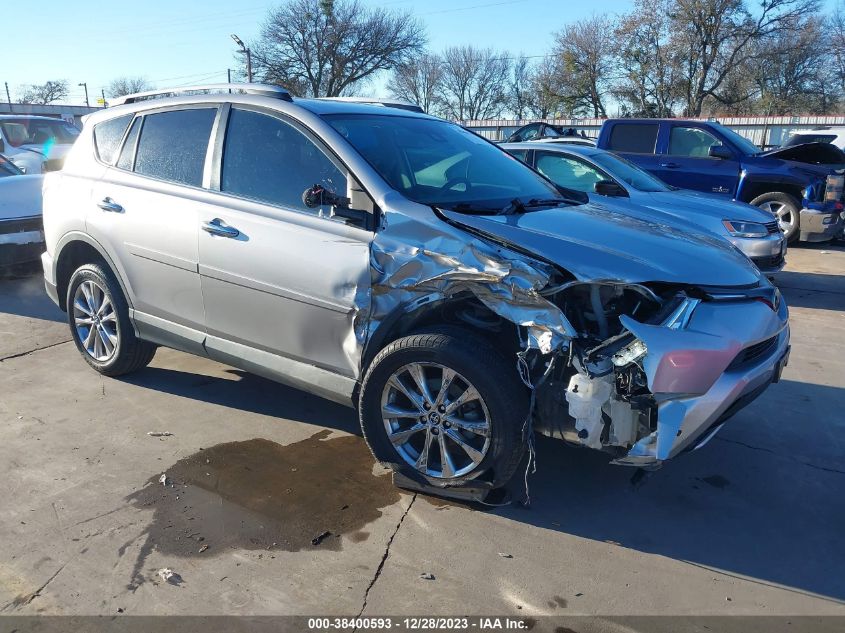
x=752, y=511
x=25, y=296
x=812, y=290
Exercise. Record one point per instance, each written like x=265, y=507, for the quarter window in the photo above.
x=637, y=138
x=107, y=137
x=127, y=154
x=173, y=145
x=691, y=141
x=267, y=159
x=569, y=172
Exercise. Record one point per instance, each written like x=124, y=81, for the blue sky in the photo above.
x=173, y=42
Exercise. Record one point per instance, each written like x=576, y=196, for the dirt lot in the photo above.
x=751, y=524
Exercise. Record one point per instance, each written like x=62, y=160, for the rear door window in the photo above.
x=127, y=153
x=637, y=138
x=173, y=145
x=107, y=137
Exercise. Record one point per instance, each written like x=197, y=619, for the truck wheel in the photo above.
x=447, y=407
x=99, y=323
x=786, y=208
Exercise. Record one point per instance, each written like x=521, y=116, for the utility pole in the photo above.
x=248, y=53
x=8, y=96
x=87, y=105
x=103, y=93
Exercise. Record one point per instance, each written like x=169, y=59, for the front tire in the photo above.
x=445, y=407
x=786, y=208
x=98, y=316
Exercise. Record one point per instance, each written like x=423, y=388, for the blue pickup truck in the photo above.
x=802, y=185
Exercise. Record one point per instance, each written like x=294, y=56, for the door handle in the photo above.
x=107, y=204
x=218, y=227
x=670, y=165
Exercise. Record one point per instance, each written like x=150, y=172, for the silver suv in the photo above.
x=403, y=265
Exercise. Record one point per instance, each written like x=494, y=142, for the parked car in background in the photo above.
x=833, y=135
x=549, y=133
x=398, y=263
x=597, y=172
x=21, y=230
x=799, y=184
x=31, y=141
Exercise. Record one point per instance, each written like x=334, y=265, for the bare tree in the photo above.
x=716, y=37
x=420, y=81
x=584, y=52
x=474, y=82
x=326, y=47
x=545, y=100
x=122, y=86
x=45, y=93
x=647, y=62
x=836, y=28
x=520, y=87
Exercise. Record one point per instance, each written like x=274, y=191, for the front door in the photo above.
x=280, y=275
x=687, y=162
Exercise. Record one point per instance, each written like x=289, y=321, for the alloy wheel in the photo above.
x=436, y=420
x=95, y=321
x=786, y=217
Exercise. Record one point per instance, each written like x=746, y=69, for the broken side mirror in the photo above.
x=609, y=188
x=341, y=206
x=720, y=151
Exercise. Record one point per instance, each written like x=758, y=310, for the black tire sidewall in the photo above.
x=95, y=273
x=499, y=386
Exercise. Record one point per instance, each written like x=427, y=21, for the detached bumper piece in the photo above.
x=21, y=241
x=820, y=226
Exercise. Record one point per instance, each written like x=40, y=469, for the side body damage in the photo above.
x=643, y=370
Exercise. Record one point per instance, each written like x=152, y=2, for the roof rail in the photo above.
x=382, y=101
x=251, y=89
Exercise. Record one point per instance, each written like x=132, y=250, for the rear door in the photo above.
x=280, y=276
x=145, y=211
x=686, y=162
x=636, y=141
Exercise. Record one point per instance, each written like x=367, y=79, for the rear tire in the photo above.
x=98, y=315
x=435, y=434
x=786, y=208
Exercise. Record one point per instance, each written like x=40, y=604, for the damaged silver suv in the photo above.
x=401, y=264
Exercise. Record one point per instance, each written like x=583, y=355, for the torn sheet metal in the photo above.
x=411, y=260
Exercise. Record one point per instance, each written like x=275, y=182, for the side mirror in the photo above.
x=720, y=151
x=318, y=196
x=609, y=188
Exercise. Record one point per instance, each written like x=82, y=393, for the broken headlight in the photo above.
x=631, y=352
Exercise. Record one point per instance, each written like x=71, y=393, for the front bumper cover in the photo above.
x=729, y=353
x=819, y=226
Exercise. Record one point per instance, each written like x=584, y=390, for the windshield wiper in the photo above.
x=518, y=206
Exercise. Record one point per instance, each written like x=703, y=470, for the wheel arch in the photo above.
x=74, y=250
x=463, y=310
x=753, y=189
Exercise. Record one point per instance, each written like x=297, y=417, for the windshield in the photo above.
x=8, y=168
x=38, y=132
x=628, y=172
x=742, y=143
x=438, y=163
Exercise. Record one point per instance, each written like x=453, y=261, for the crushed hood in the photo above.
x=593, y=241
